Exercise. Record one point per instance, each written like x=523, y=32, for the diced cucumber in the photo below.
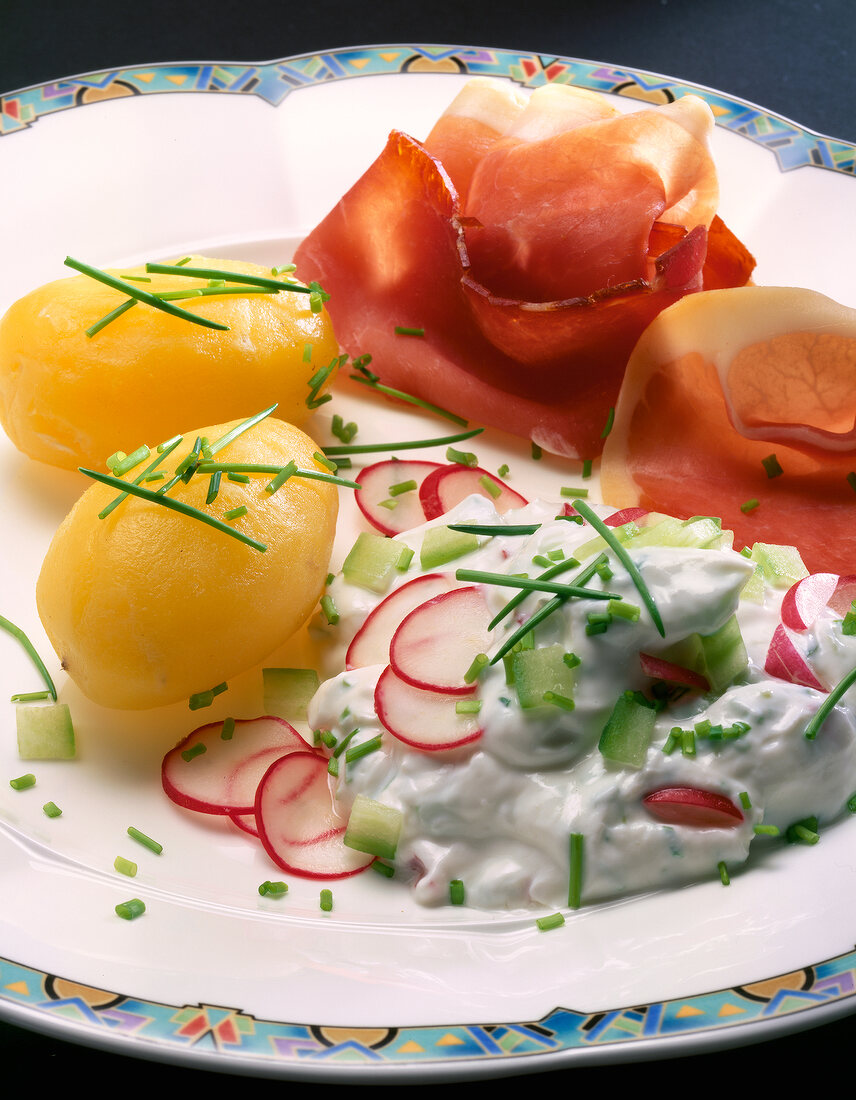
x=782, y=565
x=701, y=532
x=373, y=827
x=687, y=653
x=598, y=544
x=537, y=671
x=441, y=545
x=755, y=587
x=373, y=560
x=725, y=656
x=287, y=691
x=628, y=731
x=45, y=732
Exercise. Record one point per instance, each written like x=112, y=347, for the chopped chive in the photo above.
x=328, y=606
x=307, y=353
x=673, y=740
x=766, y=830
x=803, y=832
x=745, y=800
x=456, y=892
x=608, y=535
x=51, y=809
x=542, y=560
x=325, y=461
x=688, y=742
x=571, y=660
x=146, y=841
x=749, y=505
x=284, y=474
x=848, y=623
x=479, y=662
x=131, y=461
x=283, y=269
x=503, y=470
x=851, y=480
x=467, y=706
x=385, y=869
x=558, y=700
x=771, y=465
x=388, y=504
x=108, y=318
x=587, y=464
x=357, y=752
x=536, y=451
x=623, y=610
x=406, y=330
x=195, y=750
x=575, y=874
x=723, y=873
x=183, y=261
x=610, y=420
x=597, y=622
x=829, y=703
x=213, y=487
x=175, y=505
x=556, y=555
x=273, y=889
x=402, y=487
x=30, y=649
x=137, y=278
x=341, y=430
x=114, y=460
x=462, y=458
x=547, y=924
x=326, y=737
x=406, y=445
x=141, y=295
x=239, y=429
x=159, y=475
x=495, y=528
x=536, y=584
x=236, y=513
x=23, y=782
x=29, y=696
x=570, y=491
x=243, y=479
x=125, y=866
x=228, y=730
x=326, y=900
x=130, y=910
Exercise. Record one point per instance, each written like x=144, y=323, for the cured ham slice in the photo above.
x=505, y=342
x=718, y=383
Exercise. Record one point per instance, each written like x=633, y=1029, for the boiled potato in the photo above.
x=147, y=607
x=71, y=400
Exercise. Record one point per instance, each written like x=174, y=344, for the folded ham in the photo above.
x=532, y=239
x=742, y=404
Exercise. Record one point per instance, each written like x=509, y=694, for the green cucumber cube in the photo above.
x=725, y=656
x=537, y=671
x=287, y=691
x=441, y=545
x=628, y=731
x=782, y=565
x=45, y=732
x=373, y=560
x=373, y=827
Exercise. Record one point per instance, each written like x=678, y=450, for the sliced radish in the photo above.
x=378, y=498
x=370, y=645
x=246, y=823
x=299, y=825
x=805, y=600
x=423, y=719
x=626, y=515
x=844, y=595
x=435, y=645
x=659, y=669
x=449, y=485
x=693, y=806
x=785, y=661
x=223, y=778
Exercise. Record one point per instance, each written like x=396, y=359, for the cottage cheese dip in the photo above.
x=727, y=762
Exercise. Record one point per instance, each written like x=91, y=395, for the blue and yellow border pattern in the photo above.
x=176, y=1032
x=792, y=146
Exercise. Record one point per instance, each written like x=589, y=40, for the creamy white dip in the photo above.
x=497, y=814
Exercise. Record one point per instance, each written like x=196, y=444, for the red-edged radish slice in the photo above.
x=435, y=645
x=246, y=823
x=805, y=600
x=844, y=595
x=626, y=515
x=785, y=661
x=672, y=673
x=390, y=511
x=223, y=778
x=423, y=719
x=299, y=825
x=449, y=485
x=370, y=645
x=693, y=806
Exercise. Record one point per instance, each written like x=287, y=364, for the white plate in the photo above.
x=213, y=974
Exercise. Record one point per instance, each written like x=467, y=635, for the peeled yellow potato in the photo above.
x=147, y=607
x=71, y=400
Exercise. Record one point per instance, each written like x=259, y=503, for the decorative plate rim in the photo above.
x=794, y=146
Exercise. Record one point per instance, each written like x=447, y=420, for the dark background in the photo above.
x=795, y=57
